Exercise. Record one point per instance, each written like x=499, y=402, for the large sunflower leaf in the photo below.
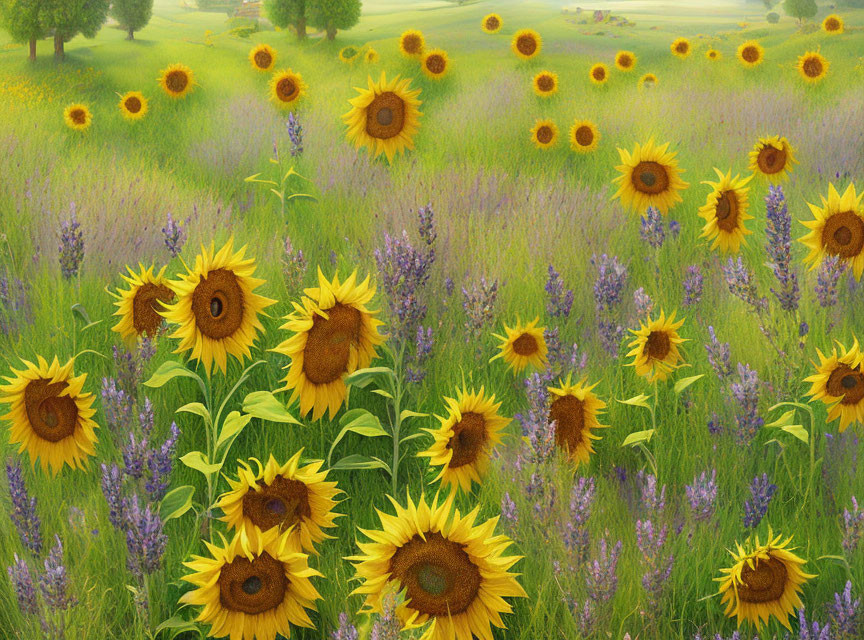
x=362, y=377
x=357, y=421
x=169, y=370
x=683, y=383
x=356, y=461
x=638, y=436
x=264, y=405
x=200, y=462
x=637, y=401
x=176, y=502
x=233, y=424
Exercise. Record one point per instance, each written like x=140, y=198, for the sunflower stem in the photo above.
x=397, y=417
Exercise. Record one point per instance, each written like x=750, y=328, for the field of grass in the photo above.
x=504, y=211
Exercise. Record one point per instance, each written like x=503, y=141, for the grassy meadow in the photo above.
x=504, y=211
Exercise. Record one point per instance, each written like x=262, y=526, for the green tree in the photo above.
x=332, y=15
x=21, y=18
x=132, y=15
x=801, y=9
x=67, y=18
x=284, y=13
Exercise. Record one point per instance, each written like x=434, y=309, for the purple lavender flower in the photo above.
x=112, y=489
x=542, y=493
x=130, y=367
x=702, y=495
x=827, y=279
x=293, y=265
x=761, y=492
x=715, y=425
x=742, y=283
x=145, y=539
x=426, y=226
x=653, y=501
x=652, y=229
x=559, y=299
x=576, y=537
x=14, y=304
x=610, y=281
x=853, y=528
x=535, y=421
x=346, y=630
x=449, y=286
x=719, y=356
x=388, y=626
x=657, y=565
x=22, y=583
x=479, y=304
x=23, y=513
x=746, y=394
x=778, y=245
x=509, y=512
x=674, y=228
x=117, y=406
x=175, y=235
x=812, y=631
x=54, y=582
x=71, y=245
x=135, y=457
x=295, y=133
x=601, y=576
x=693, y=283
x=643, y=302
x=423, y=345
x=846, y=619
x=160, y=462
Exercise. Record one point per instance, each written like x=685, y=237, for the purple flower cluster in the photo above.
x=693, y=284
x=778, y=245
x=346, y=630
x=23, y=513
x=54, y=581
x=702, y=496
x=846, y=619
x=295, y=134
x=742, y=283
x=853, y=528
x=812, y=630
x=719, y=356
x=423, y=345
x=652, y=229
x=22, y=583
x=141, y=460
x=388, y=626
x=509, y=512
x=608, y=290
x=14, y=304
x=656, y=564
x=746, y=394
x=145, y=539
x=576, y=537
x=293, y=265
x=536, y=427
x=117, y=406
x=174, y=233
x=562, y=359
x=653, y=499
x=559, y=299
x=479, y=304
x=71, y=249
x=643, y=302
x=827, y=279
x=602, y=573
x=130, y=366
x=755, y=508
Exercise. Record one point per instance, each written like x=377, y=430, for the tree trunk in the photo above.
x=131, y=35
x=301, y=28
x=59, y=50
x=331, y=33
x=32, y=48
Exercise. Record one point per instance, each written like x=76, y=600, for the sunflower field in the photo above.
x=493, y=320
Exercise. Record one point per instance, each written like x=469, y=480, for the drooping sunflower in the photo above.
x=253, y=587
x=681, y=47
x=371, y=56
x=584, y=136
x=526, y=43
x=648, y=80
x=262, y=57
x=837, y=229
x=133, y=105
x=650, y=177
x=544, y=133
x=286, y=88
x=139, y=306
x=725, y=212
x=384, y=117
x=812, y=66
x=523, y=345
x=50, y=416
x=625, y=60
x=453, y=570
x=655, y=347
x=492, y=23
x=217, y=307
x=839, y=384
x=177, y=80
x=833, y=24
x=77, y=117
x=412, y=43
x=545, y=84
x=712, y=54
x=290, y=497
x=574, y=410
x=335, y=334
x=435, y=64
x=348, y=54
x=765, y=581
x=599, y=73
x=464, y=441
x=751, y=54
x=773, y=158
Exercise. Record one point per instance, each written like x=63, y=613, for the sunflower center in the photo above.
x=545, y=83
x=385, y=116
x=78, y=116
x=438, y=575
x=832, y=24
x=51, y=416
x=282, y=503
x=252, y=587
x=584, y=136
x=568, y=413
x=726, y=211
x=765, y=582
x=544, y=134
x=843, y=234
x=349, y=52
x=649, y=80
x=329, y=342
x=624, y=60
x=599, y=73
x=286, y=89
x=771, y=159
x=812, y=67
x=411, y=43
x=847, y=383
x=525, y=345
x=658, y=345
x=133, y=104
x=263, y=59
x=217, y=304
x=650, y=177
x=176, y=81
x=750, y=54
x=146, y=306
x=435, y=64
x=526, y=45
x=492, y=23
x=712, y=54
x=468, y=440
x=682, y=47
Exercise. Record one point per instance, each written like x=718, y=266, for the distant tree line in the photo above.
x=329, y=15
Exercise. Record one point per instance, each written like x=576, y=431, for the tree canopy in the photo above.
x=332, y=15
x=285, y=13
x=132, y=15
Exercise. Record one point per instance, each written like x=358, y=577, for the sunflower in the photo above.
x=648, y=80
x=411, y=43
x=217, y=307
x=544, y=133
x=491, y=23
x=384, y=117
x=839, y=383
x=464, y=441
x=77, y=117
x=765, y=581
x=133, y=105
x=545, y=84
x=599, y=73
x=286, y=88
x=574, y=411
x=523, y=345
x=650, y=177
x=751, y=54
x=139, y=306
x=713, y=54
x=837, y=229
x=293, y=498
x=371, y=56
x=833, y=24
x=334, y=335
x=625, y=60
x=681, y=47
x=177, y=80
x=725, y=212
x=435, y=64
x=253, y=587
x=526, y=43
x=262, y=57
x=655, y=347
x=452, y=569
x=812, y=66
x=584, y=136
x=49, y=415
x=348, y=54
x=772, y=157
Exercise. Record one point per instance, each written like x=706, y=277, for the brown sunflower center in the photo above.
x=469, y=439
x=218, y=305
x=843, y=234
x=492, y=23
x=176, y=81
x=750, y=54
x=584, y=136
x=545, y=83
x=812, y=67
x=385, y=116
x=658, y=345
x=682, y=47
x=832, y=24
x=51, y=416
x=329, y=342
x=599, y=73
x=286, y=89
x=847, y=383
x=79, y=116
x=263, y=59
x=526, y=44
x=545, y=134
x=625, y=60
x=765, y=582
x=133, y=104
x=282, y=503
x=438, y=575
x=649, y=80
x=525, y=345
x=411, y=43
x=436, y=64
x=712, y=54
x=650, y=177
x=252, y=587
x=568, y=413
x=771, y=159
x=146, y=306
x=726, y=211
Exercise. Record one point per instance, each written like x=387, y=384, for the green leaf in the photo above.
x=800, y=405
x=638, y=436
x=200, y=462
x=356, y=461
x=197, y=409
x=383, y=393
x=363, y=377
x=264, y=405
x=407, y=413
x=233, y=424
x=176, y=625
x=413, y=436
x=169, y=370
x=82, y=313
x=176, y=502
x=683, y=383
x=783, y=420
x=358, y=421
x=637, y=401
x=798, y=431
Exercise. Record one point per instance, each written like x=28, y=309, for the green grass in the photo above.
x=504, y=210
